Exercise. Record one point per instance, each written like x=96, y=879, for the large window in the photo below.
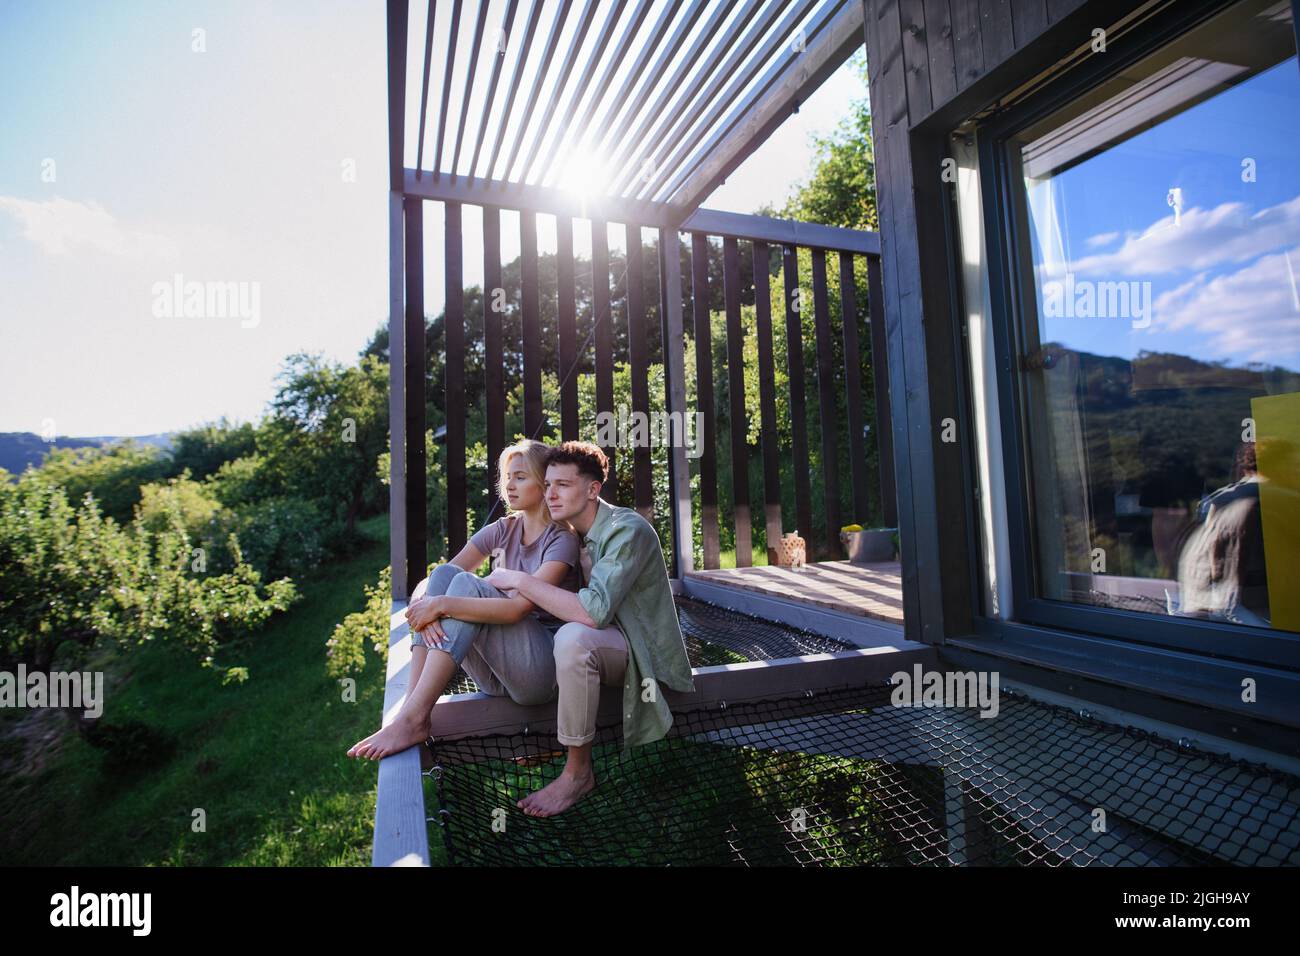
x=1151, y=229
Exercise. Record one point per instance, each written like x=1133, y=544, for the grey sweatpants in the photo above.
x=528, y=662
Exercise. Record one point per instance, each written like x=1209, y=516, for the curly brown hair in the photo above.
x=591, y=461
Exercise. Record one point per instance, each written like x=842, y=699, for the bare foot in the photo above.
x=406, y=731
x=558, y=795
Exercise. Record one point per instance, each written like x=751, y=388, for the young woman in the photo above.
x=503, y=641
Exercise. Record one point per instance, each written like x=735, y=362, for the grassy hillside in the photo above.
x=265, y=761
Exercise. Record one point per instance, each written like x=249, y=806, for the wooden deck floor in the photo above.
x=872, y=590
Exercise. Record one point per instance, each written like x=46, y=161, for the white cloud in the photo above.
x=1204, y=238
x=1251, y=314
x=58, y=225
x=1104, y=239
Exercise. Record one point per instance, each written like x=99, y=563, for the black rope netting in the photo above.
x=846, y=777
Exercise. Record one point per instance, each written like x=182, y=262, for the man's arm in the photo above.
x=612, y=577
x=560, y=602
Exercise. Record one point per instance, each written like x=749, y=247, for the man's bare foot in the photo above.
x=558, y=795
x=406, y=731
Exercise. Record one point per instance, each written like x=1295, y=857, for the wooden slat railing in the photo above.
x=597, y=351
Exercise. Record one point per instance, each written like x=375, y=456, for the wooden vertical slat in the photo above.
x=704, y=399
x=603, y=341
x=401, y=588
x=417, y=523
x=566, y=309
x=798, y=402
x=767, y=401
x=826, y=399
x=853, y=389
x=532, y=322
x=493, y=353
x=880, y=379
x=454, y=377
x=674, y=344
x=639, y=357
x=736, y=390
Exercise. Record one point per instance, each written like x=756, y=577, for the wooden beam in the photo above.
x=538, y=199
x=478, y=714
x=809, y=235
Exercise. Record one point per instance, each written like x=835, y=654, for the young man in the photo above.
x=623, y=629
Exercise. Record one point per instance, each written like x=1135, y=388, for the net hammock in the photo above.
x=842, y=776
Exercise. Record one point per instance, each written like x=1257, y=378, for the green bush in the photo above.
x=278, y=536
x=346, y=648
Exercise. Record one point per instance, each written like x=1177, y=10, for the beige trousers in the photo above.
x=529, y=663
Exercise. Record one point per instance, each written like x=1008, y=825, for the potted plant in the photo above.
x=868, y=545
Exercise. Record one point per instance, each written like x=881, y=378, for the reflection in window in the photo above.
x=1159, y=236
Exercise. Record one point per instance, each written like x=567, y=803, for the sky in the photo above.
x=239, y=143
x=1220, y=258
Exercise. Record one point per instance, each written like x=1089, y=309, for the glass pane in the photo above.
x=1159, y=236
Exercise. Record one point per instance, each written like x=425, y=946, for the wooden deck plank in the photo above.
x=869, y=590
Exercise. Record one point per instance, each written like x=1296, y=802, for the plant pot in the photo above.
x=873, y=546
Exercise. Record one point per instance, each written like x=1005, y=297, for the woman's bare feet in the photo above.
x=406, y=731
x=558, y=795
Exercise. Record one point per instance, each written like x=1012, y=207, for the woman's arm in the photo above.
x=469, y=558
x=501, y=610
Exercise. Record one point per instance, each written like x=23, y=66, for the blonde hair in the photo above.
x=534, y=454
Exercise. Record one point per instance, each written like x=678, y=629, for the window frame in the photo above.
x=1243, y=643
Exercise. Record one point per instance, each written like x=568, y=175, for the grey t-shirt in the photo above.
x=556, y=543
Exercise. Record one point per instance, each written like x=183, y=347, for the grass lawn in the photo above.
x=265, y=761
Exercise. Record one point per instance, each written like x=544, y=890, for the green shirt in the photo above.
x=629, y=585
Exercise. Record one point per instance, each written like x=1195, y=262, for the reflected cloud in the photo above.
x=1203, y=239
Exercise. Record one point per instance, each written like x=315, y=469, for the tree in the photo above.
x=74, y=580
x=329, y=424
x=203, y=450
